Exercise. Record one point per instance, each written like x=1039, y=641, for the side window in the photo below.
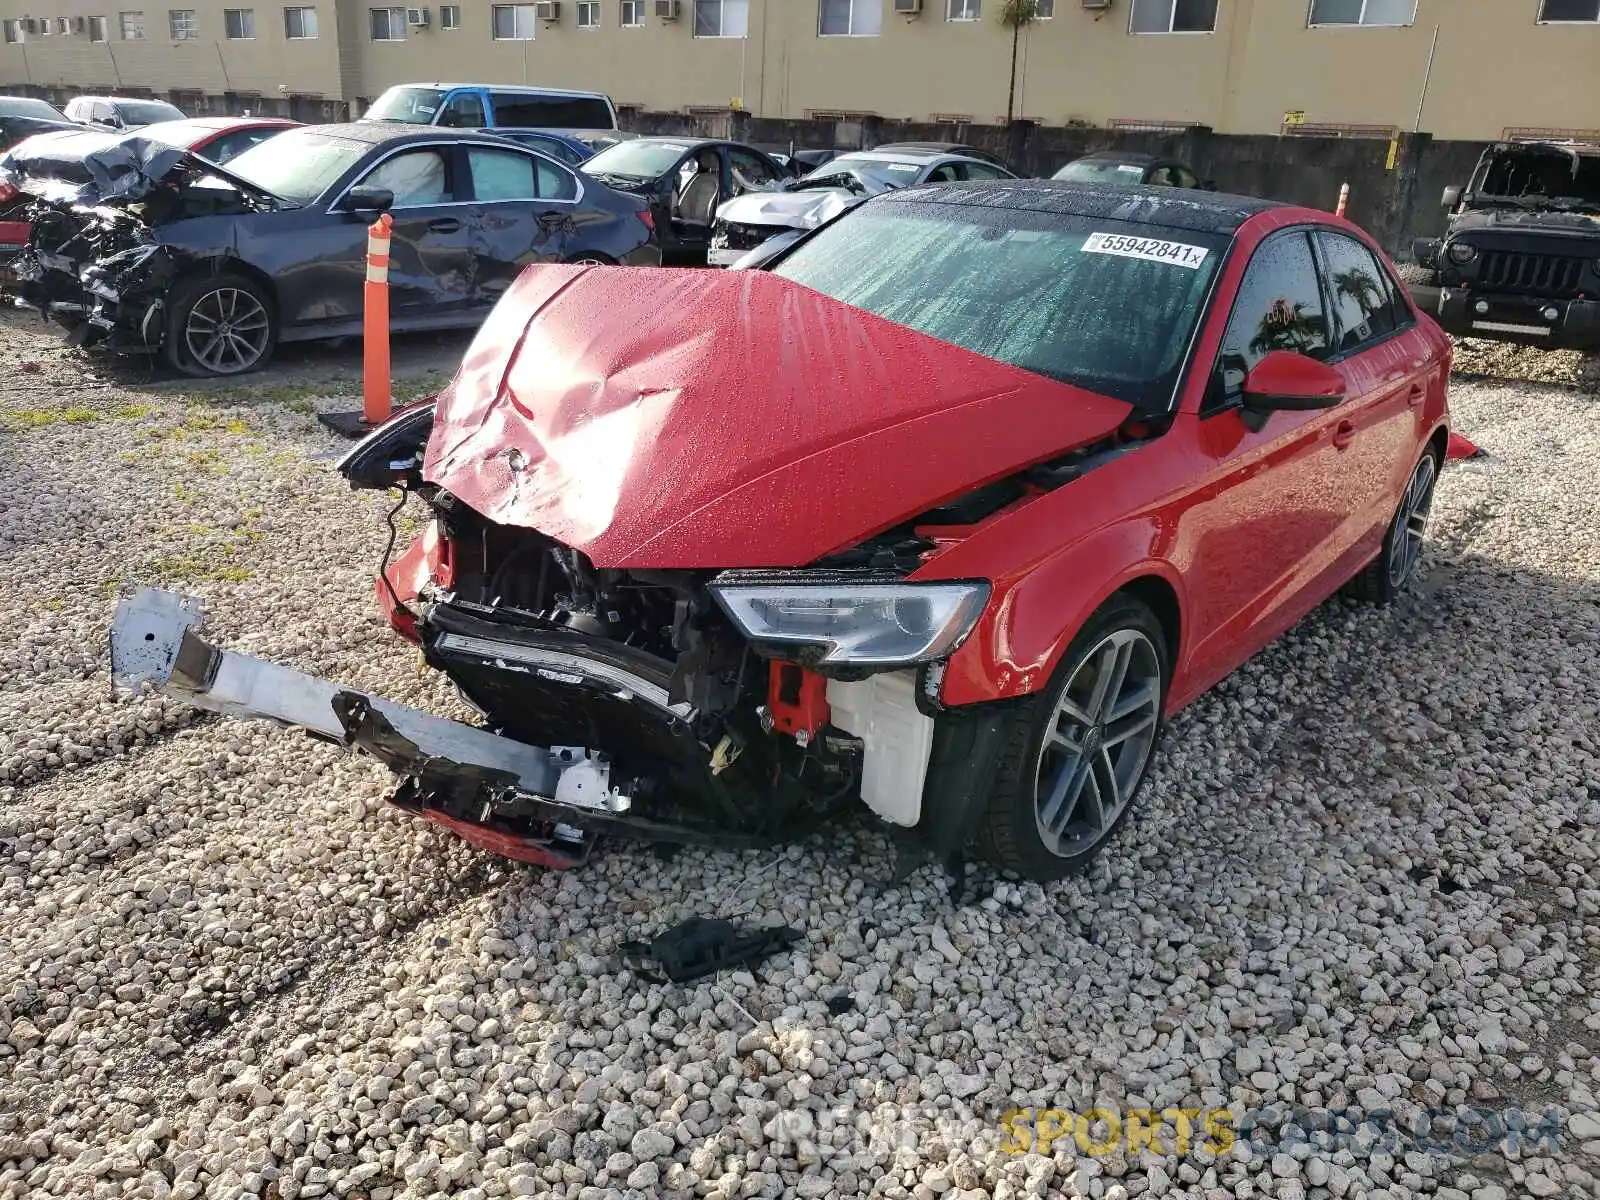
x=416, y=177
x=1363, y=309
x=556, y=184
x=1162, y=177
x=1279, y=307
x=944, y=174
x=501, y=174
x=464, y=111
x=750, y=171
x=234, y=144
x=977, y=170
x=1183, y=177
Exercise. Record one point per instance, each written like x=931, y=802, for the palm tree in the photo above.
x=1016, y=15
x=1360, y=286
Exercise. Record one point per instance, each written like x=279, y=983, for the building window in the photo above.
x=182, y=25
x=299, y=24
x=963, y=10
x=13, y=28
x=631, y=14
x=1173, y=16
x=63, y=26
x=1569, y=10
x=450, y=16
x=388, y=24
x=1362, y=12
x=850, y=18
x=513, y=22
x=1044, y=10
x=130, y=25
x=721, y=18
x=588, y=14
x=239, y=24
x=97, y=29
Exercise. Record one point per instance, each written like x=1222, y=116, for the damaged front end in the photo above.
x=692, y=602
x=94, y=261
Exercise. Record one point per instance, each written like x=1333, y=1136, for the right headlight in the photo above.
x=891, y=624
x=1461, y=253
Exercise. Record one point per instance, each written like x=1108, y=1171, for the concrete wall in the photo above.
x=1495, y=65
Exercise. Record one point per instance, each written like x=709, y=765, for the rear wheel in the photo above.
x=1078, y=751
x=220, y=325
x=1386, y=576
x=591, y=258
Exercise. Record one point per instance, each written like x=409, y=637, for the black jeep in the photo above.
x=1520, y=256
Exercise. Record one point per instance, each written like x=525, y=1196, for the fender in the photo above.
x=1032, y=619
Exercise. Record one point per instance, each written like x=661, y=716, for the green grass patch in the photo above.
x=43, y=418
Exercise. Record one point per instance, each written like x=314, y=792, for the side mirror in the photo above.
x=1284, y=381
x=1452, y=197
x=368, y=201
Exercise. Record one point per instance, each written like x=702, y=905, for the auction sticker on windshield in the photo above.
x=1176, y=253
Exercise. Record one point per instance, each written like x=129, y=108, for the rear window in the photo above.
x=1107, y=305
x=1099, y=170
x=147, y=112
x=551, y=112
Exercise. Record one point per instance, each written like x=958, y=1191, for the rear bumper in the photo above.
x=1526, y=320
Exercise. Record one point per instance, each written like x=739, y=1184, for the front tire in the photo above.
x=1078, y=751
x=220, y=325
x=1386, y=576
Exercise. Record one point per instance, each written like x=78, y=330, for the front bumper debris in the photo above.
x=155, y=640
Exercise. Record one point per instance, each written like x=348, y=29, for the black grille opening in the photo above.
x=1537, y=274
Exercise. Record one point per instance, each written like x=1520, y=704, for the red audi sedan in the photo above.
x=949, y=510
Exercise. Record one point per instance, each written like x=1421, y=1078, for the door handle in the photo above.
x=1344, y=433
x=444, y=225
x=1416, y=395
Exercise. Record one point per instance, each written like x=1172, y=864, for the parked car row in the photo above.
x=190, y=238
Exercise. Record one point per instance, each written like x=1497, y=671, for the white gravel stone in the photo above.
x=1364, y=872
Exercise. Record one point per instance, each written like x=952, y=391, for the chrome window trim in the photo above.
x=501, y=144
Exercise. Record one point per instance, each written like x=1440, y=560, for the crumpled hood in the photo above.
x=91, y=167
x=789, y=210
x=719, y=419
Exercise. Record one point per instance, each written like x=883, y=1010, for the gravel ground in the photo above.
x=1364, y=876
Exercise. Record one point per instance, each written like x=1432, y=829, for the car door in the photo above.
x=431, y=261
x=1272, y=500
x=1385, y=364
x=463, y=110
x=521, y=212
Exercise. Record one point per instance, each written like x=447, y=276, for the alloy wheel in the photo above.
x=1097, y=743
x=227, y=330
x=1411, y=522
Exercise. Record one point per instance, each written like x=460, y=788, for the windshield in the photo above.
x=413, y=105
x=637, y=160
x=1541, y=176
x=27, y=106
x=1100, y=170
x=298, y=165
x=147, y=112
x=1107, y=305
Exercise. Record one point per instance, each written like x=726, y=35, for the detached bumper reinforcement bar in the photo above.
x=155, y=639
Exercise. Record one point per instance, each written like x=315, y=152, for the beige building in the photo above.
x=1472, y=68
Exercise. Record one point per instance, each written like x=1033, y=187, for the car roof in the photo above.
x=1131, y=157
x=1179, y=208
x=378, y=132
x=897, y=156
x=517, y=88
x=127, y=100
x=192, y=129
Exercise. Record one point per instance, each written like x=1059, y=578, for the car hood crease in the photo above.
x=728, y=419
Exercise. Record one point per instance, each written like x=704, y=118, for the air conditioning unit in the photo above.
x=62, y=25
x=666, y=10
x=418, y=18
x=80, y=24
x=548, y=10
x=29, y=25
x=907, y=8
x=1096, y=5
